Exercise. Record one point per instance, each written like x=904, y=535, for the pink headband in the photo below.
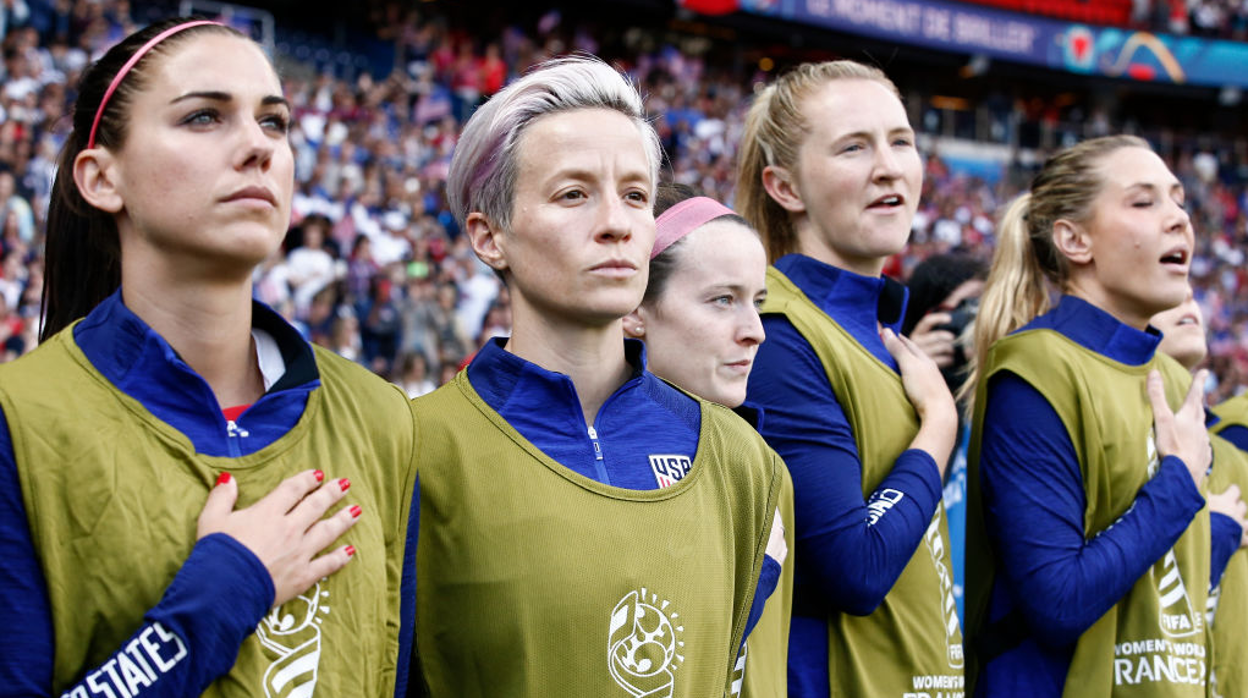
x=121, y=74
x=684, y=218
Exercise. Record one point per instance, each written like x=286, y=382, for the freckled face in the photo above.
x=582, y=227
x=1142, y=239
x=858, y=175
x=703, y=331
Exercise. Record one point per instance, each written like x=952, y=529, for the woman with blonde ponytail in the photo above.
x=830, y=177
x=1088, y=542
x=1018, y=271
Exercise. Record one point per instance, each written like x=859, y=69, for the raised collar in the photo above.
x=856, y=302
x=1096, y=330
x=497, y=373
x=140, y=363
x=847, y=296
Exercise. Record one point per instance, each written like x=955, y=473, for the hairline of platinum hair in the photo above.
x=485, y=166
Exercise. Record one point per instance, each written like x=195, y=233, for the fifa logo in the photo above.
x=948, y=606
x=1178, y=618
x=644, y=646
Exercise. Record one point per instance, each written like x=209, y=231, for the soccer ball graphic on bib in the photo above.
x=644, y=646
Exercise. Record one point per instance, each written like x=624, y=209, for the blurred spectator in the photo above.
x=344, y=335
x=372, y=150
x=380, y=327
x=413, y=375
x=310, y=267
x=15, y=210
x=452, y=341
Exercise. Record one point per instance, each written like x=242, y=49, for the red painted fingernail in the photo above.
x=320, y=476
x=356, y=511
x=345, y=484
x=223, y=478
x=350, y=551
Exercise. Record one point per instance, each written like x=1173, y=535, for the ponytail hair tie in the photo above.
x=684, y=218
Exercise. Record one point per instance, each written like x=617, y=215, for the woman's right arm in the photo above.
x=1034, y=508
x=236, y=571
x=851, y=548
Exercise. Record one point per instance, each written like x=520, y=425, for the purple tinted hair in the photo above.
x=485, y=165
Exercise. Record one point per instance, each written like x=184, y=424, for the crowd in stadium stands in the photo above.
x=375, y=268
x=1226, y=19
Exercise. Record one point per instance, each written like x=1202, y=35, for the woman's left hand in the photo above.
x=1229, y=504
x=930, y=396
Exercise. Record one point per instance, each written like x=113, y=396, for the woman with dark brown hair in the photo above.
x=188, y=397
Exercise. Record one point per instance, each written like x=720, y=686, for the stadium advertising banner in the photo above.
x=1109, y=51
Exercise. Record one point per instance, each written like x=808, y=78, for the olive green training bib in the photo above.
x=762, y=670
x=112, y=495
x=1155, y=641
x=535, y=581
x=1228, y=602
x=911, y=645
x=1233, y=412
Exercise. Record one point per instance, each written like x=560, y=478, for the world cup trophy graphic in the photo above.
x=291, y=637
x=644, y=646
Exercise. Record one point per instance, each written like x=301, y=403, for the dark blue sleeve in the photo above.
x=1237, y=435
x=1225, y=535
x=767, y=580
x=407, y=598
x=850, y=552
x=186, y=641
x=1034, y=507
x=26, y=644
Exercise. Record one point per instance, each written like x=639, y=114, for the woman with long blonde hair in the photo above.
x=1088, y=538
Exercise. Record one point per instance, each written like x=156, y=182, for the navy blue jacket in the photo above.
x=845, y=563
x=222, y=590
x=1052, y=582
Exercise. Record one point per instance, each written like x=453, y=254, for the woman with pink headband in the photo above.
x=699, y=320
x=161, y=391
